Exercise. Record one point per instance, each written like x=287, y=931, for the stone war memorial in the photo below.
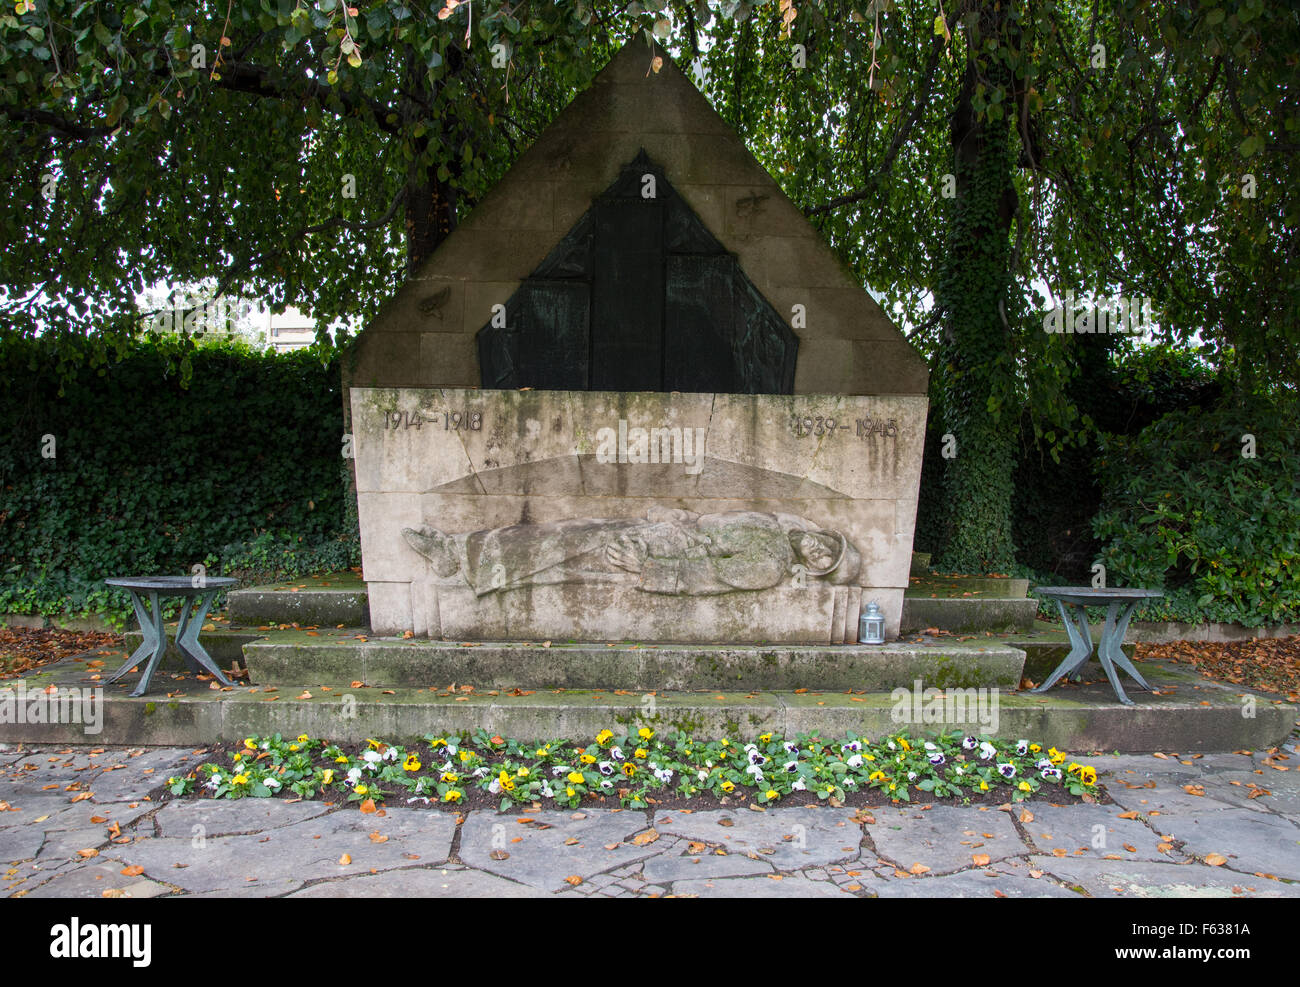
x=634, y=397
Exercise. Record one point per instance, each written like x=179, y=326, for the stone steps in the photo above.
x=962, y=587
x=320, y=601
x=967, y=604
x=1190, y=714
x=967, y=614
x=397, y=663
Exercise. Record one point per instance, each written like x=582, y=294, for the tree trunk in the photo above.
x=430, y=214
x=430, y=202
x=975, y=358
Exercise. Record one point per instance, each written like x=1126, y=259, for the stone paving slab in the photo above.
x=785, y=839
x=458, y=882
x=943, y=838
x=1144, y=879
x=1252, y=842
x=1095, y=831
x=974, y=884
x=544, y=857
x=96, y=878
x=223, y=818
x=49, y=846
x=768, y=886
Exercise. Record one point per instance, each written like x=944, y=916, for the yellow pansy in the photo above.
x=293, y=748
x=728, y=786
x=240, y=779
x=604, y=737
x=629, y=769
x=570, y=792
x=640, y=753
x=251, y=743
x=341, y=759
x=303, y=738
x=587, y=759
x=450, y=777
x=1055, y=756
x=327, y=776
x=574, y=779
x=362, y=789
x=765, y=737
x=645, y=733
x=770, y=793
x=451, y=796
x=1026, y=787
x=412, y=763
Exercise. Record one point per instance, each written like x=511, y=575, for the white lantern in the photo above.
x=871, y=628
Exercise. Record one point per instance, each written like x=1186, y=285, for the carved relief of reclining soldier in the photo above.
x=670, y=551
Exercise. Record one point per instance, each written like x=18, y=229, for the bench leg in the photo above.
x=1080, y=647
x=188, y=639
x=1111, y=639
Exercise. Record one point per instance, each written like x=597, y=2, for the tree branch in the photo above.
x=256, y=80
x=891, y=153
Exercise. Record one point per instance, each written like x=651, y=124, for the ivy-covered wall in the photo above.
x=121, y=470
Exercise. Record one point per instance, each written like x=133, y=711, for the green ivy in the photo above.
x=240, y=470
x=1184, y=509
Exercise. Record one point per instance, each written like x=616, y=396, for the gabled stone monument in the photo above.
x=634, y=396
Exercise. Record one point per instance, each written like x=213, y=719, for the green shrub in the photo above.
x=149, y=476
x=1184, y=509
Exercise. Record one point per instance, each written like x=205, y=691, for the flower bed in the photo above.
x=642, y=769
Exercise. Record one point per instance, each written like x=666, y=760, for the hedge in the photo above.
x=122, y=470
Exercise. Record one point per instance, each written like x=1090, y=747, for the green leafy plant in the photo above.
x=1204, y=504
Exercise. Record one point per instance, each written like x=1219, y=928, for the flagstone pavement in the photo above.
x=1179, y=827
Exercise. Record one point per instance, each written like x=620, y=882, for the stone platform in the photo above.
x=1190, y=714
x=338, y=657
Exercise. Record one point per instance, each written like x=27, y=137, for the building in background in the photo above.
x=290, y=330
